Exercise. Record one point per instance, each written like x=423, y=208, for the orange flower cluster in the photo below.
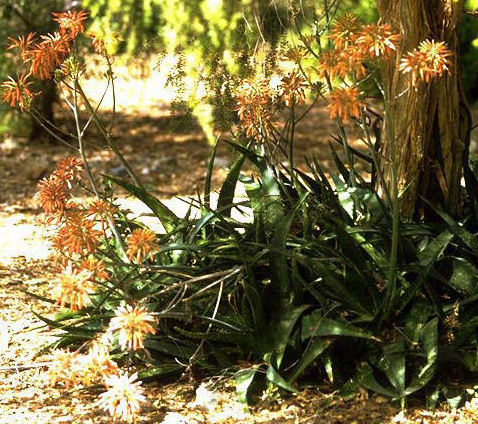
x=355, y=43
x=344, y=102
x=98, y=44
x=17, y=92
x=77, y=282
x=258, y=98
x=42, y=55
x=101, y=211
x=76, y=234
x=293, y=89
x=74, y=288
x=141, y=244
x=430, y=60
x=96, y=267
x=97, y=366
x=378, y=40
x=69, y=170
x=54, y=192
x=133, y=323
x=71, y=23
x=72, y=368
x=346, y=30
x=53, y=195
x=254, y=107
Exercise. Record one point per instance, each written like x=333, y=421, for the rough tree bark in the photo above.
x=430, y=124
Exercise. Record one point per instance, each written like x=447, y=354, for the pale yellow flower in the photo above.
x=123, y=397
x=133, y=323
x=74, y=288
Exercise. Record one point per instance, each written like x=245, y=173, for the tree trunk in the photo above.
x=426, y=128
x=44, y=103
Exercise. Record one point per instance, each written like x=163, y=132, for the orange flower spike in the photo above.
x=101, y=209
x=133, y=323
x=437, y=55
x=63, y=368
x=74, y=288
x=329, y=66
x=344, y=103
x=96, y=267
x=428, y=61
x=77, y=235
x=71, y=23
x=98, y=44
x=293, y=89
x=97, y=365
x=354, y=58
x=22, y=43
x=141, y=243
x=378, y=40
x=48, y=54
x=345, y=30
x=17, y=92
x=69, y=170
x=52, y=195
x=254, y=106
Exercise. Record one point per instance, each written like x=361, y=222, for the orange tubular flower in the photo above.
x=98, y=44
x=101, y=210
x=378, y=40
x=17, y=92
x=96, y=267
x=345, y=30
x=52, y=195
x=123, y=397
x=22, y=43
x=428, y=61
x=293, y=89
x=254, y=106
x=77, y=235
x=141, y=243
x=48, y=54
x=71, y=22
x=330, y=67
x=133, y=323
x=69, y=170
x=74, y=288
x=64, y=368
x=344, y=102
x=97, y=365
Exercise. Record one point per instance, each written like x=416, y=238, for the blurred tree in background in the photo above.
x=209, y=42
x=132, y=27
x=469, y=51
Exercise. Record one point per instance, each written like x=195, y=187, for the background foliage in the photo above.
x=217, y=34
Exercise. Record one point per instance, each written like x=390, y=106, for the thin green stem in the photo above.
x=91, y=177
x=108, y=139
